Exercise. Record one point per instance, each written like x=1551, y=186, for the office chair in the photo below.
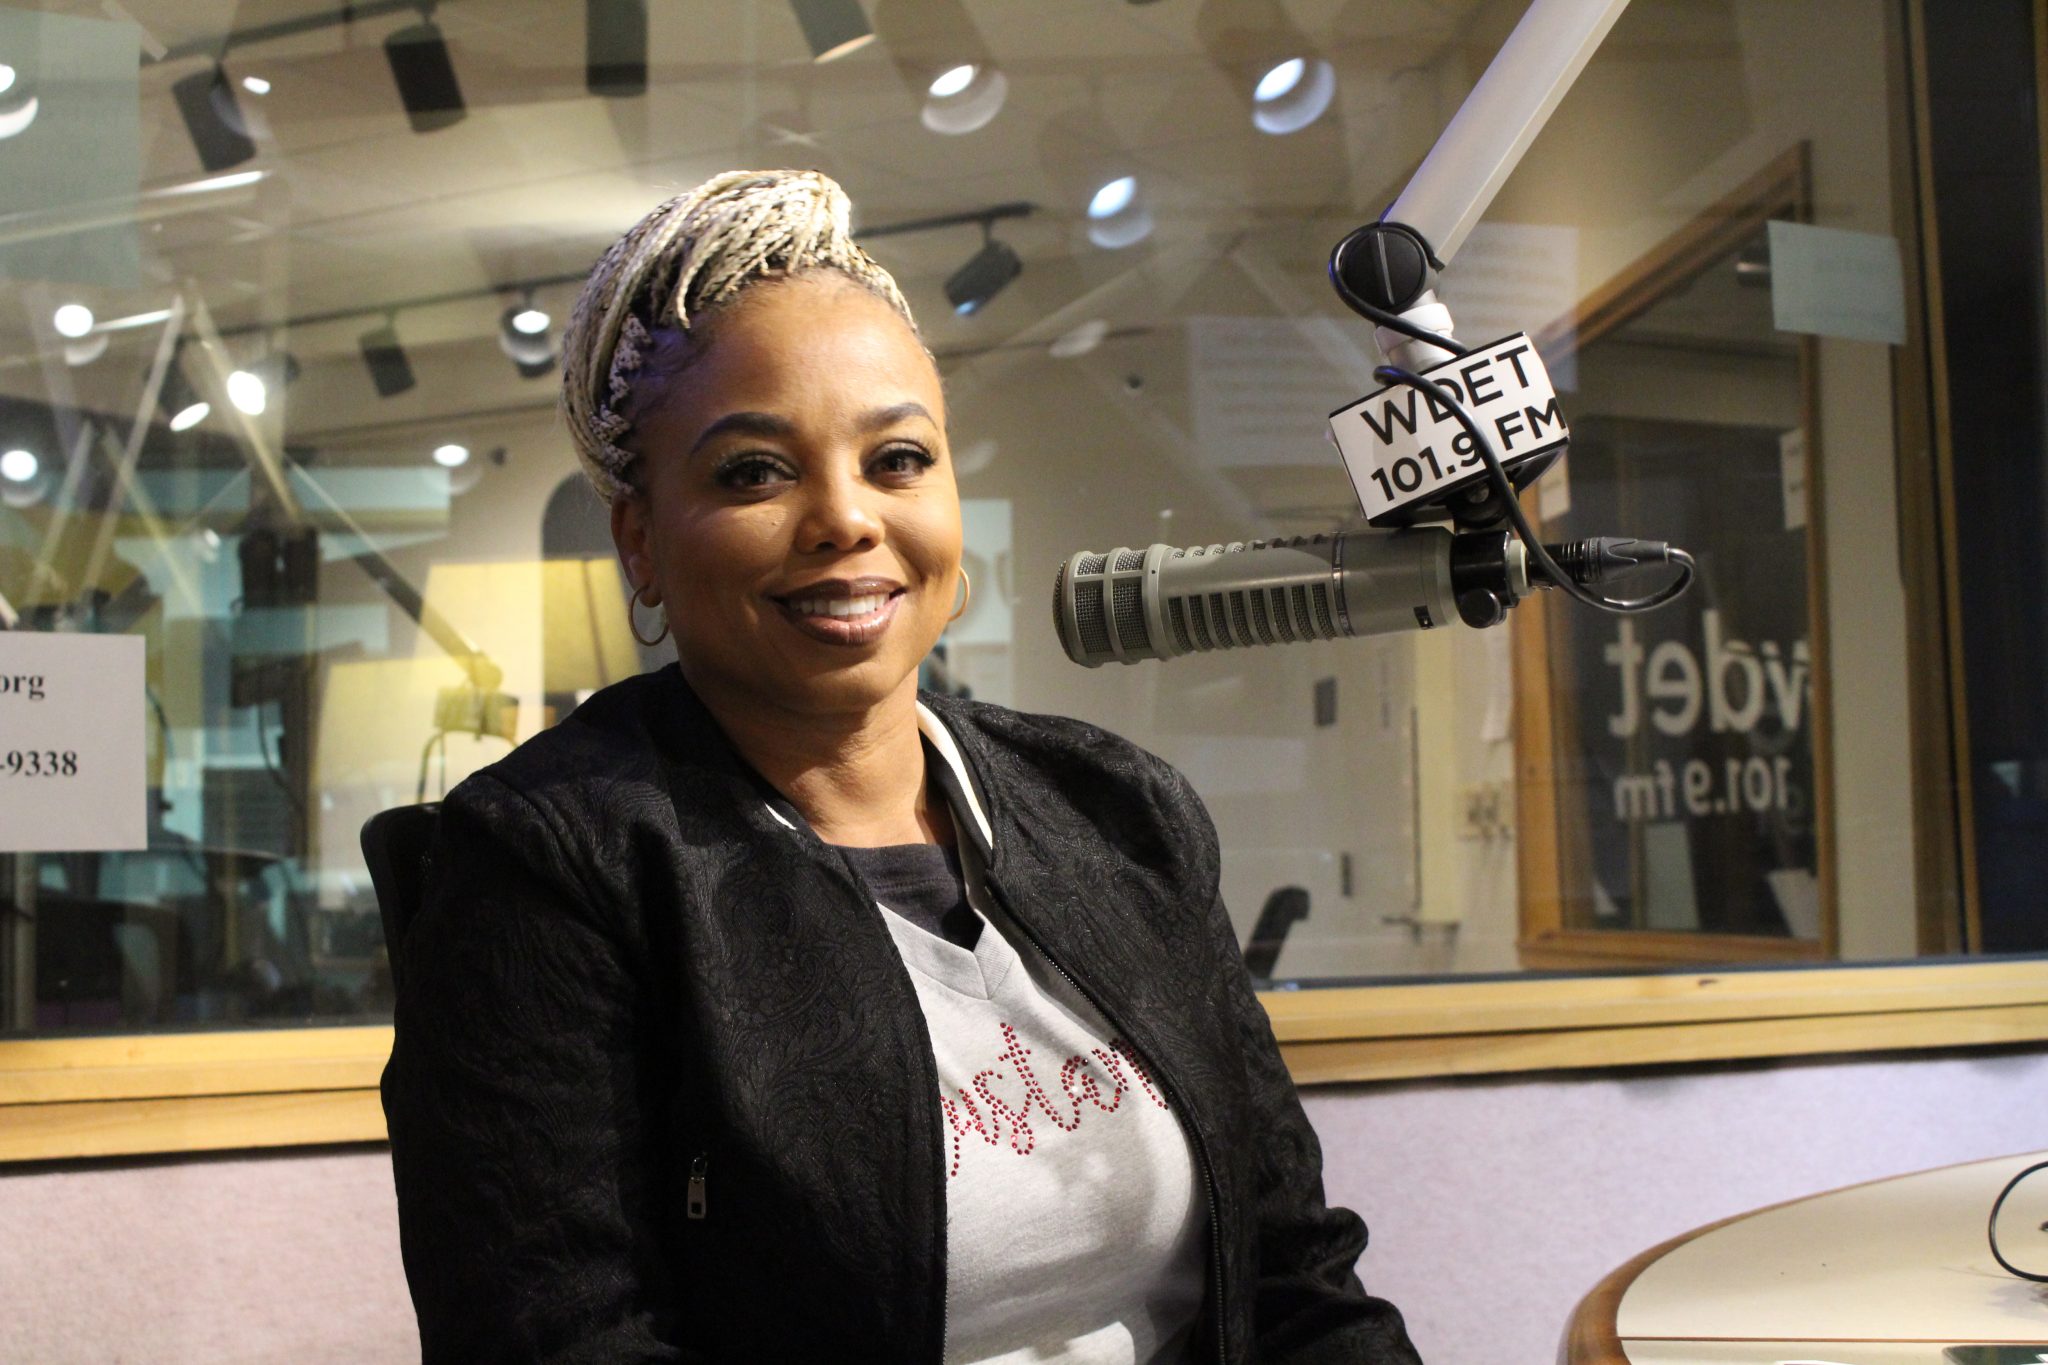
x=1276, y=917
x=395, y=845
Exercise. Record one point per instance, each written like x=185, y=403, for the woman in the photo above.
x=764, y=1011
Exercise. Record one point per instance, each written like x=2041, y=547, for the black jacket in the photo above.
x=627, y=967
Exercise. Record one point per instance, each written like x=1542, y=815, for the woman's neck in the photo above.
x=858, y=777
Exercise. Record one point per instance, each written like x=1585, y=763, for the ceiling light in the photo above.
x=523, y=337
x=1292, y=95
x=1078, y=340
x=19, y=466
x=1113, y=198
x=1118, y=214
x=177, y=399
x=232, y=181
x=247, y=391
x=256, y=85
x=73, y=320
x=390, y=371
x=832, y=28
x=18, y=102
x=965, y=98
x=952, y=82
x=213, y=119
x=426, y=77
x=87, y=350
x=970, y=287
x=615, y=47
x=451, y=456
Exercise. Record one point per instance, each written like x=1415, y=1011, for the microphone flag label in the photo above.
x=1404, y=448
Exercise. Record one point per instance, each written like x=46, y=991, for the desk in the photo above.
x=1886, y=1273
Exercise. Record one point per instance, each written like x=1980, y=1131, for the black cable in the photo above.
x=1991, y=1225
x=1504, y=488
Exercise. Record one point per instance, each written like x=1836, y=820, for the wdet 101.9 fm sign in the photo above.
x=73, y=763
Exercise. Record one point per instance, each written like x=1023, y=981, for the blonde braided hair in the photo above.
x=688, y=257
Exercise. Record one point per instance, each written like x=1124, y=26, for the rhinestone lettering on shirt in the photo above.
x=1000, y=1121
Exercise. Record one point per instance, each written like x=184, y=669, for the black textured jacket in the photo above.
x=628, y=970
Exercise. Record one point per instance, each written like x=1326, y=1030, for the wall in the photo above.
x=1494, y=1205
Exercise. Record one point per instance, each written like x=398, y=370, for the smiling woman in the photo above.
x=714, y=1033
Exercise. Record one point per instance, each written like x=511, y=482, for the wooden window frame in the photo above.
x=67, y=1098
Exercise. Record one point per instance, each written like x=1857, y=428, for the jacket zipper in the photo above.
x=1180, y=1112
x=699, y=1169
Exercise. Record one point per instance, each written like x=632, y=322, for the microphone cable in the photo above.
x=1497, y=475
x=1991, y=1229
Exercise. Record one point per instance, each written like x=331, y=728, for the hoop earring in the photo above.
x=633, y=620
x=966, y=596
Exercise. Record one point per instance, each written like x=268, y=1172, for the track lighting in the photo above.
x=833, y=28
x=177, y=400
x=523, y=337
x=252, y=387
x=425, y=75
x=72, y=320
x=965, y=97
x=390, y=371
x=943, y=62
x=970, y=287
x=615, y=47
x=213, y=119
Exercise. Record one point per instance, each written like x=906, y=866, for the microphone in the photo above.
x=1164, y=601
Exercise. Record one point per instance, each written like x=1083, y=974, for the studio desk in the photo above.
x=1893, y=1272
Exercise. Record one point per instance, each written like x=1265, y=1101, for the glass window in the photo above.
x=278, y=401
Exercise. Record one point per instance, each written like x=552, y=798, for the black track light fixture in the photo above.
x=213, y=118
x=833, y=28
x=181, y=404
x=425, y=74
x=615, y=47
x=390, y=371
x=970, y=287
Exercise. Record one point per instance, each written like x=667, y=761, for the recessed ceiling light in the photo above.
x=1118, y=215
x=19, y=466
x=1293, y=95
x=1113, y=198
x=1280, y=79
x=451, y=456
x=952, y=82
x=18, y=102
x=73, y=320
x=256, y=85
x=190, y=415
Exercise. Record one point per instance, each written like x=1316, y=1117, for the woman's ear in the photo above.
x=629, y=536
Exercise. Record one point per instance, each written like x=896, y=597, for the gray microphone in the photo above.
x=1163, y=602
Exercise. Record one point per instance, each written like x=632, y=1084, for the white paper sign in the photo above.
x=73, y=761
x=1837, y=283
x=1404, y=447
x=1792, y=475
